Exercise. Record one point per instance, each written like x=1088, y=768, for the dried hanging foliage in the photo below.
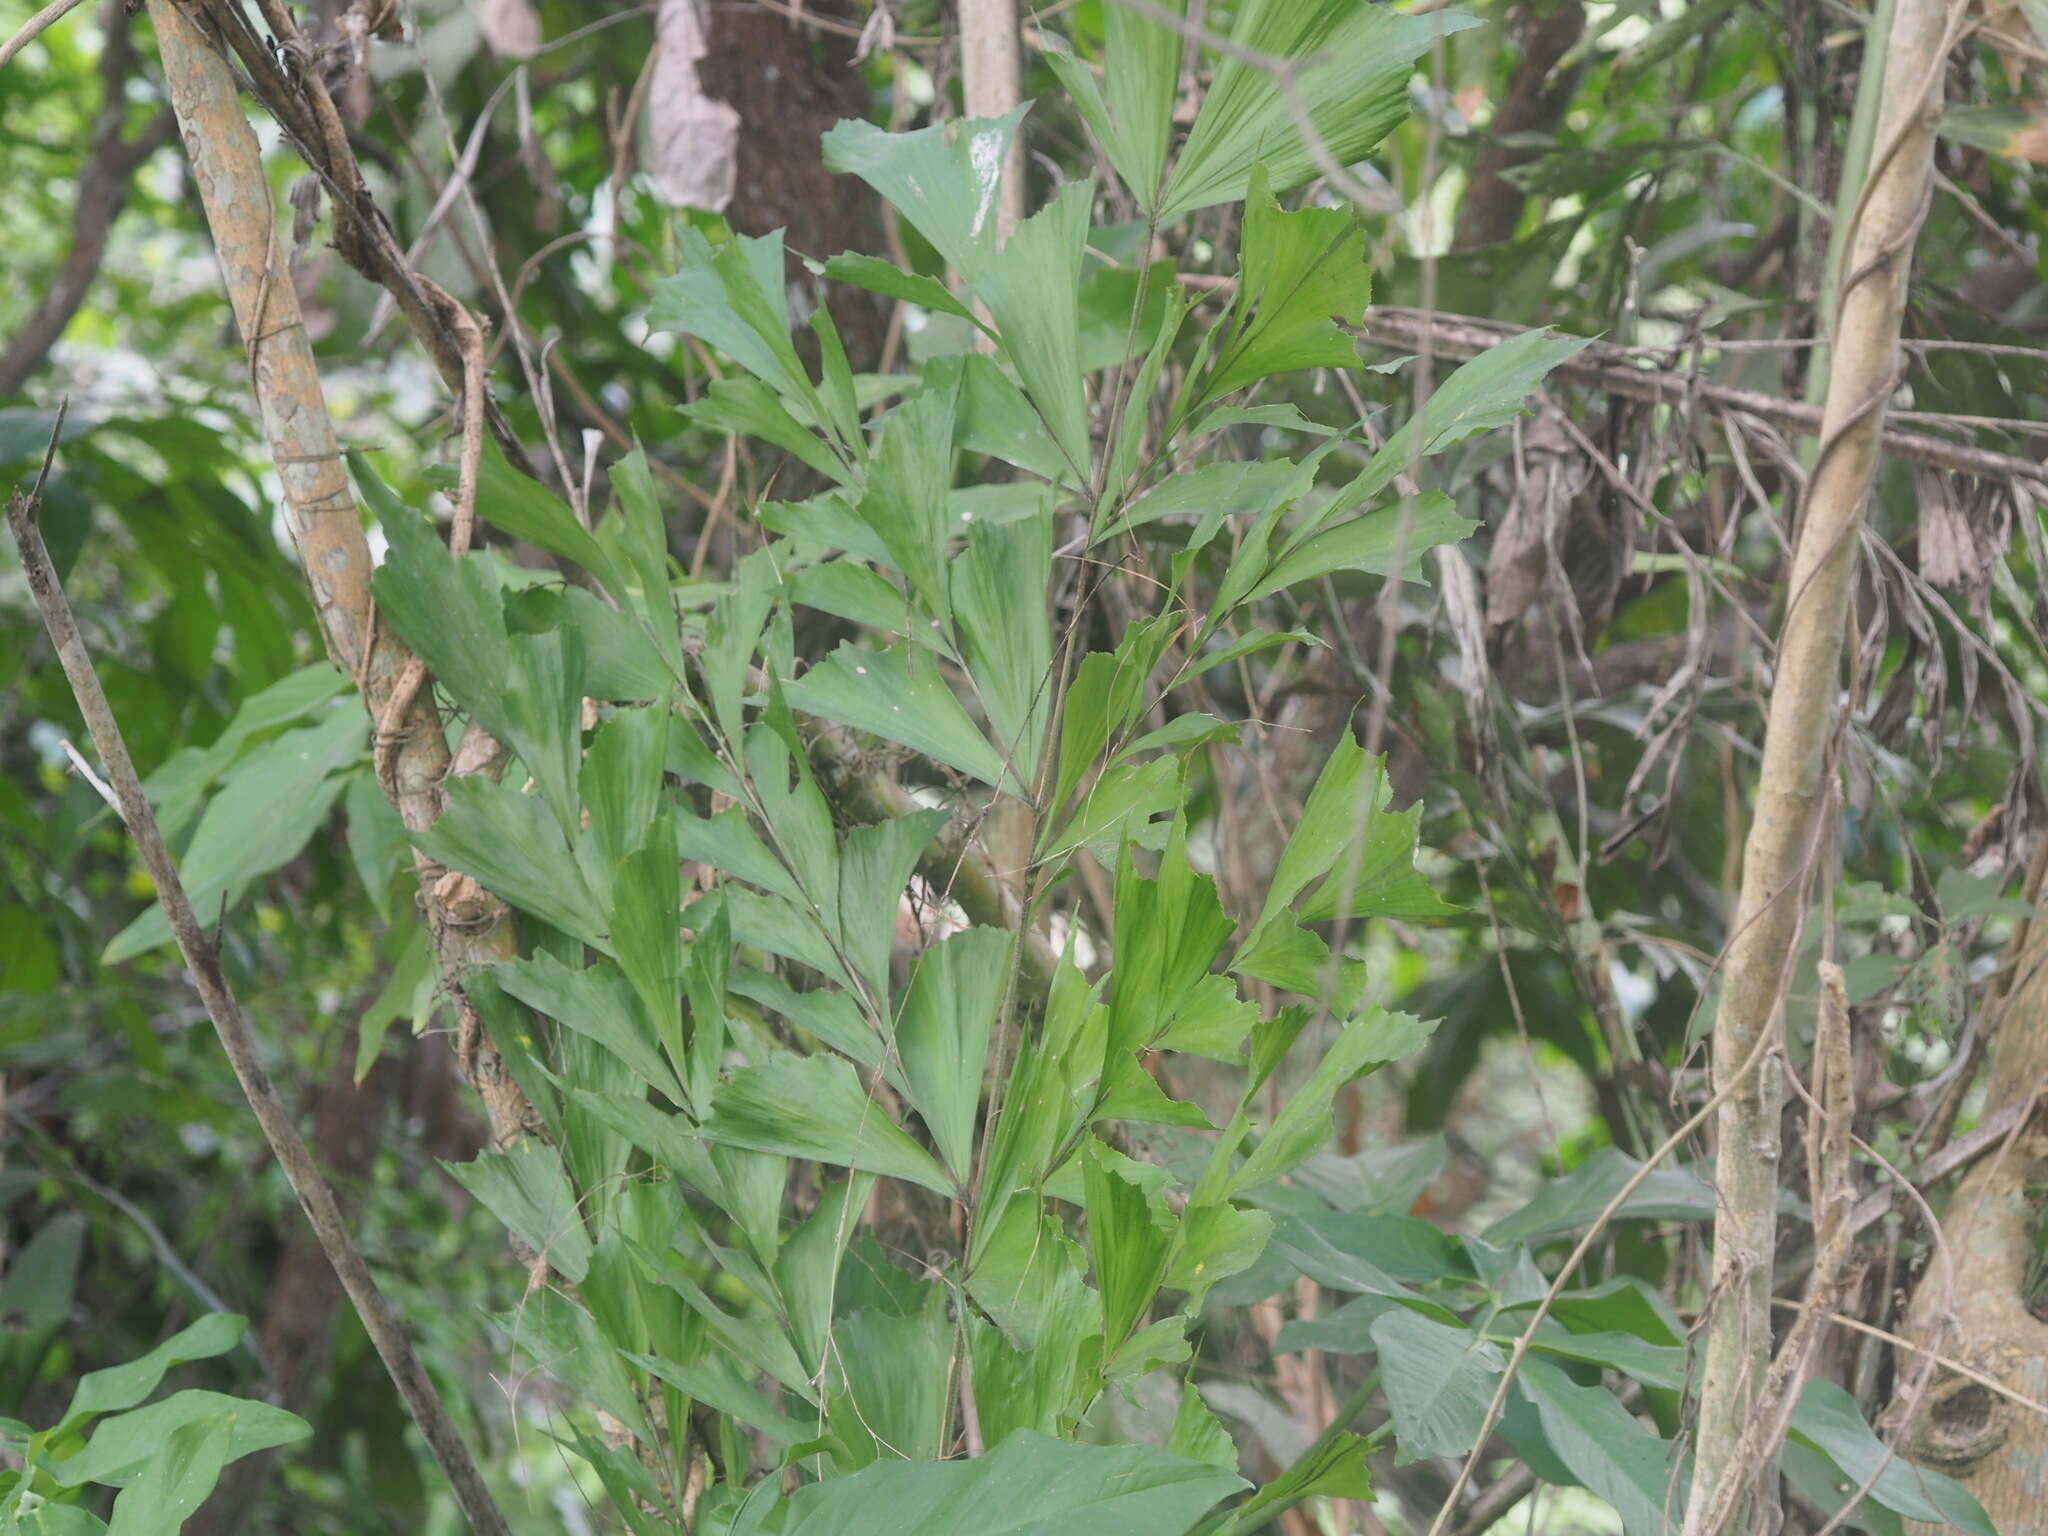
x=693, y=140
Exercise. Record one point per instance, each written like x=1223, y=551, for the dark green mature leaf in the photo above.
x=1353, y=89
x=999, y=589
x=813, y=1107
x=1607, y=1449
x=899, y=696
x=1300, y=275
x=1574, y=1202
x=892, y=282
x=1439, y=1381
x=943, y=179
x=1030, y=1485
x=1827, y=1420
x=874, y=868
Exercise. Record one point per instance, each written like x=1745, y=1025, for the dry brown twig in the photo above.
x=231, y=1025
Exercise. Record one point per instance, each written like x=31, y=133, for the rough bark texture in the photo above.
x=1998, y=1449
x=1537, y=95
x=789, y=86
x=469, y=927
x=1794, y=790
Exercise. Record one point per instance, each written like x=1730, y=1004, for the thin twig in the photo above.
x=36, y=26
x=238, y=1039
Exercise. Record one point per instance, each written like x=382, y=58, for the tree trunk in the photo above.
x=1978, y=1314
x=1537, y=95
x=1795, y=791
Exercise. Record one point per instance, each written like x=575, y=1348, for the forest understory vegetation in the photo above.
x=894, y=767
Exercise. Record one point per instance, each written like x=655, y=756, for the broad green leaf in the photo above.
x=946, y=179
x=745, y=405
x=999, y=591
x=1827, y=1420
x=1390, y=542
x=528, y=1191
x=813, y=1107
x=1216, y=1242
x=1301, y=274
x=1337, y=1470
x=1029, y=1485
x=1364, y=1045
x=176, y=1480
x=1483, y=394
x=1031, y=288
x=515, y=850
x=734, y=297
x=1131, y=111
x=264, y=812
x=597, y=1002
x=123, y=1386
x=899, y=696
x=875, y=865
x=1247, y=645
x=1351, y=69
x=1166, y=934
x=1116, y=806
x=1128, y=1238
x=1374, y=874
x=864, y=597
x=886, y=1383
x=1572, y=1203
x=995, y=418
x=905, y=502
x=892, y=282
x=1197, y=1434
x=1654, y=1365
x=1207, y=490
x=290, y=699
x=525, y=689
x=942, y=1034
x=123, y=1443
x=712, y=1382
x=1608, y=1449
